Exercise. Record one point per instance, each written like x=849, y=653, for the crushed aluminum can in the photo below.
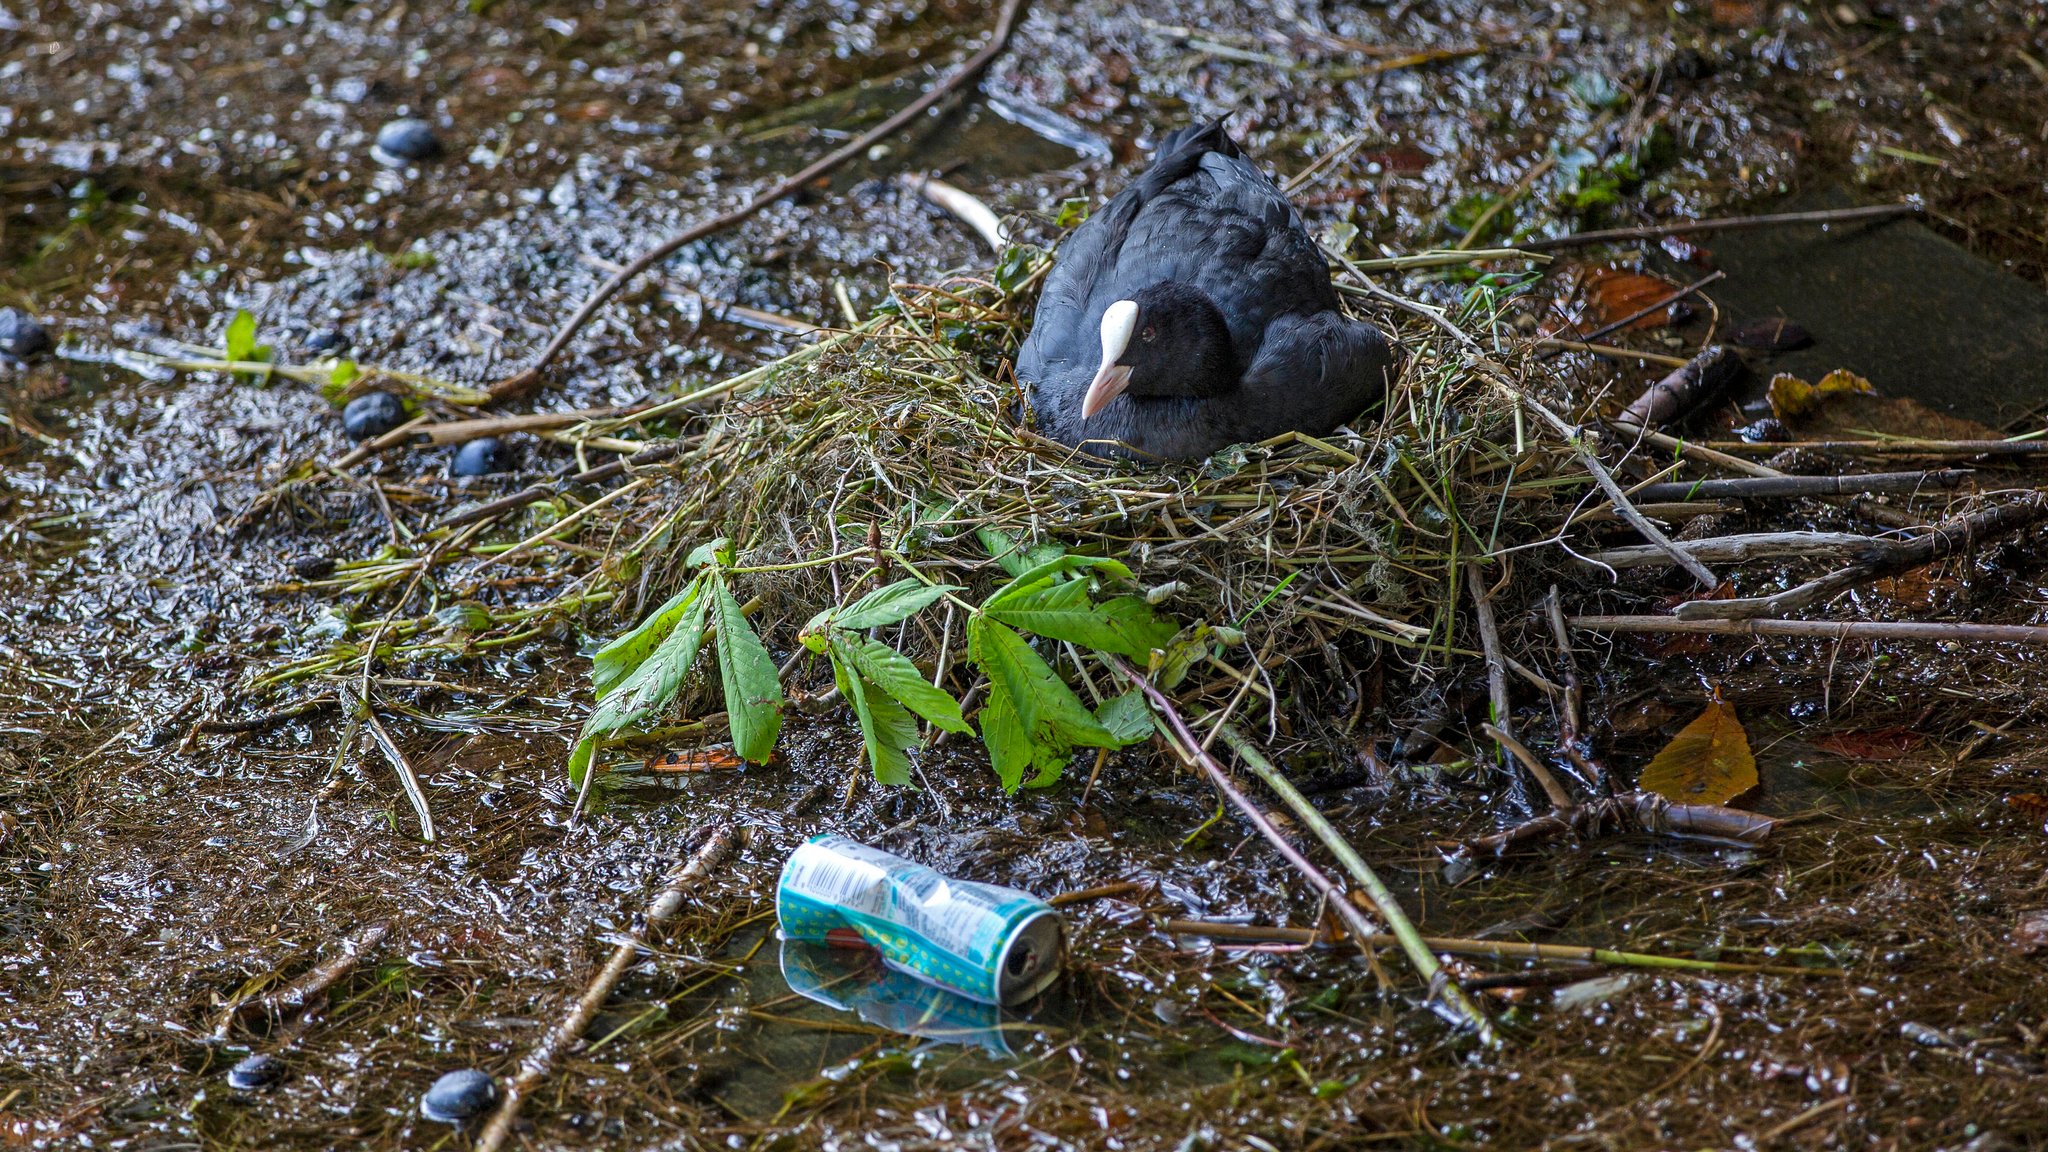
x=988, y=943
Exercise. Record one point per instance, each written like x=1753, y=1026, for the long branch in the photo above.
x=1006, y=21
x=1726, y=224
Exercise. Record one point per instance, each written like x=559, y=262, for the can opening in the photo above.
x=1022, y=958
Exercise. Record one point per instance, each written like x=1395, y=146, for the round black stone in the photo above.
x=326, y=340
x=255, y=1072
x=405, y=141
x=372, y=414
x=481, y=458
x=20, y=335
x=458, y=1097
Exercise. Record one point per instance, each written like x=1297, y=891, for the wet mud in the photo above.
x=164, y=164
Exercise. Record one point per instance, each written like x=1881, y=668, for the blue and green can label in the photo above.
x=983, y=941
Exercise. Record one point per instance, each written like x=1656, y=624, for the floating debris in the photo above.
x=481, y=457
x=1776, y=334
x=255, y=1072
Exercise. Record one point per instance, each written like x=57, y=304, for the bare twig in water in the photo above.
x=359, y=707
x=1884, y=558
x=1742, y=548
x=520, y=499
x=1725, y=224
x=962, y=205
x=1552, y=790
x=1494, y=949
x=1632, y=812
x=1822, y=629
x=1006, y=20
x=1190, y=748
x=317, y=979
x=539, y=1064
x=1611, y=351
x=1780, y=487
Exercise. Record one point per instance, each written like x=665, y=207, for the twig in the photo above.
x=1411, y=942
x=1610, y=350
x=1821, y=629
x=1006, y=20
x=533, y=492
x=540, y=1062
x=962, y=205
x=1190, y=748
x=1099, y=892
x=215, y=727
x=1725, y=224
x=360, y=708
x=1494, y=949
x=1688, y=386
x=1630, y=812
x=1742, y=548
x=1657, y=305
x=1552, y=790
x=1903, y=447
x=1779, y=487
x=1884, y=558
x=317, y=979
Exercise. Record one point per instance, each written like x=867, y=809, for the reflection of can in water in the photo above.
x=988, y=943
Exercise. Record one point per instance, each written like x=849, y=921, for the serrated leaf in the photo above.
x=1047, y=712
x=707, y=553
x=753, y=690
x=1014, y=559
x=1708, y=762
x=1019, y=760
x=654, y=681
x=1128, y=717
x=894, y=674
x=612, y=663
x=886, y=728
x=898, y=601
x=1045, y=574
x=1125, y=625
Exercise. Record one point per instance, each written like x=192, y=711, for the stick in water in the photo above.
x=540, y=1062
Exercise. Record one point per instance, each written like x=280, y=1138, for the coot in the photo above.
x=1194, y=312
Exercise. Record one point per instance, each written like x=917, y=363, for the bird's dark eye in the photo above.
x=1149, y=334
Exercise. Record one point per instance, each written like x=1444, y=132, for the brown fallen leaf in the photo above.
x=2032, y=805
x=696, y=760
x=1708, y=762
x=1874, y=744
x=1612, y=293
x=2030, y=935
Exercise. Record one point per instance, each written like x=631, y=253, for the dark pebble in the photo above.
x=372, y=414
x=255, y=1073
x=325, y=340
x=20, y=336
x=313, y=567
x=481, y=458
x=405, y=141
x=1775, y=334
x=458, y=1097
x=1765, y=431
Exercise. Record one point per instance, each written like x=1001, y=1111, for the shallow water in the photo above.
x=164, y=163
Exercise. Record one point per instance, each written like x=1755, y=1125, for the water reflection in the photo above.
x=855, y=980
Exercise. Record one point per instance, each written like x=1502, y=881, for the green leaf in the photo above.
x=893, y=673
x=898, y=601
x=1011, y=750
x=1043, y=574
x=241, y=336
x=653, y=681
x=1128, y=717
x=1125, y=625
x=617, y=660
x=1051, y=716
x=753, y=690
x=888, y=730
x=1015, y=560
x=710, y=552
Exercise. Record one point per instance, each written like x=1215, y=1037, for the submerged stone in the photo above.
x=326, y=340
x=21, y=336
x=458, y=1097
x=372, y=414
x=481, y=458
x=255, y=1072
x=406, y=141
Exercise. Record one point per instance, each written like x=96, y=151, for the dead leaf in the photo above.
x=2030, y=935
x=1794, y=400
x=1874, y=744
x=2032, y=805
x=1775, y=334
x=1708, y=762
x=696, y=760
x=1915, y=589
x=1613, y=293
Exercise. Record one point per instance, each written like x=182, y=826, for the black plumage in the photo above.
x=1232, y=332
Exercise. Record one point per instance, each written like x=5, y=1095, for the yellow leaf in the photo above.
x=1791, y=397
x=1708, y=762
x=1842, y=382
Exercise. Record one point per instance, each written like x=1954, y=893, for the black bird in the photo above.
x=1195, y=312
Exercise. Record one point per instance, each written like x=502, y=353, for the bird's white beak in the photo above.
x=1119, y=320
